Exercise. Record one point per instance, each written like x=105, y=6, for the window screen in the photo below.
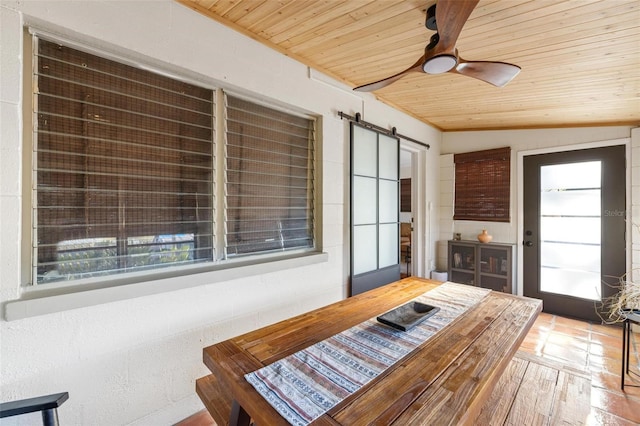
x=269, y=172
x=123, y=167
x=482, y=189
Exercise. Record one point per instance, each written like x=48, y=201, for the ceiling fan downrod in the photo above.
x=430, y=22
x=433, y=41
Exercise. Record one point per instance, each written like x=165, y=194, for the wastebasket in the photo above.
x=439, y=275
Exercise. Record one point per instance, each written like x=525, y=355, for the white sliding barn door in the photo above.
x=375, y=177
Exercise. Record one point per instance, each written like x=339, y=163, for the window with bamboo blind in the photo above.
x=482, y=185
x=269, y=179
x=124, y=163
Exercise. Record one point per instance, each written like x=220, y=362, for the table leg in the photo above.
x=628, y=343
x=624, y=352
x=238, y=416
x=50, y=417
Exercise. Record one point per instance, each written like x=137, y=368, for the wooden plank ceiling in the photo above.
x=580, y=59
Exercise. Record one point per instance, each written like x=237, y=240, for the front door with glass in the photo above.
x=574, y=228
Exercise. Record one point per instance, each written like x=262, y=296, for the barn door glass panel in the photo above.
x=388, y=247
x=388, y=158
x=364, y=152
x=365, y=200
x=365, y=241
x=388, y=206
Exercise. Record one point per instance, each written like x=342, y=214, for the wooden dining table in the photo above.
x=446, y=380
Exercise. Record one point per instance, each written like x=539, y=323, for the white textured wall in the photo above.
x=136, y=361
x=445, y=210
x=519, y=141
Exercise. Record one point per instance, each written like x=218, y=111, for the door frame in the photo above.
x=422, y=240
x=520, y=191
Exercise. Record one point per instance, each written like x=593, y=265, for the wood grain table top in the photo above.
x=446, y=380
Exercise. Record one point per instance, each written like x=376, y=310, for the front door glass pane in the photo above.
x=570, y=235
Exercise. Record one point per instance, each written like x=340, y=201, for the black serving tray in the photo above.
x=408, y=315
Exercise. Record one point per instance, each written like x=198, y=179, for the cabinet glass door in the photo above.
x=463, y=263
x=495, y=268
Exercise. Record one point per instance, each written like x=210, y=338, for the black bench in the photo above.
x=48, y=404
x=631, y=316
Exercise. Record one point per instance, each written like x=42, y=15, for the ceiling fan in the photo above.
x=447, y=18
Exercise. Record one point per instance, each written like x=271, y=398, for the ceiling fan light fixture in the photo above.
x=440, y=64
x=441, y=54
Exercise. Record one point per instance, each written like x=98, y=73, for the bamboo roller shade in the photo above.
x=482, y=185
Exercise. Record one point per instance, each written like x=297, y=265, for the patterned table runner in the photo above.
x=305, y=385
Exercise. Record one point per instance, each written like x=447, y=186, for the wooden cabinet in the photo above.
x=487, y=265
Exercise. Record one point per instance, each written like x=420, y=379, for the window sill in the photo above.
x=41, y=300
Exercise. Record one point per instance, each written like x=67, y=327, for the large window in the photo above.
x=124, y=161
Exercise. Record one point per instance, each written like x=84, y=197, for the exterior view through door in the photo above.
x=574, y=229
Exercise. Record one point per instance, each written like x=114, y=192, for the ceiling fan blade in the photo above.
x=370, y=87
x=496, y=73
x=451, y=15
